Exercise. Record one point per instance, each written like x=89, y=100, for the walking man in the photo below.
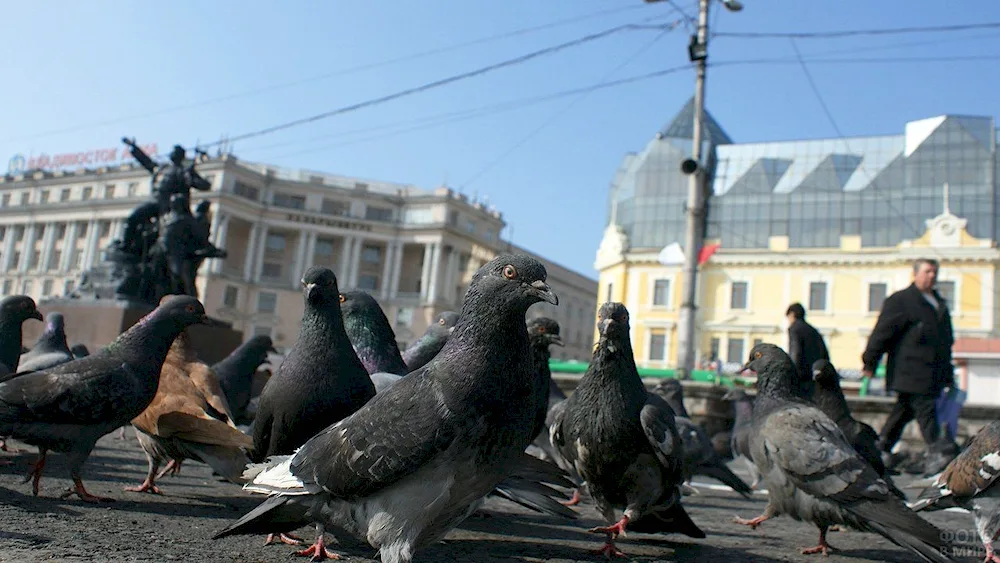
x=914, y=329
x=805, y=346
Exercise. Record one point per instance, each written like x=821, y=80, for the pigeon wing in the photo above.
x=659, y=426
x=973, y=471
x=395, y=433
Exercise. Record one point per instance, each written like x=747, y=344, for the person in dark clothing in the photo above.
x=914, y=329
x=805, y=346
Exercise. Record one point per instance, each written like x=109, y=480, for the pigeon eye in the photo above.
x=757, y=355
x=189, y=308
x=541, y=330
x=342, y=298
x=441, y=322
x=509, y=272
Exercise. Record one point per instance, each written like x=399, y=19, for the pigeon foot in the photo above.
x=613, y=531
x=287, y=539
x=823, y=548
x=4, y=447
x=754, y=522
x=318, y=551
x=147, y=486
x=81, y=492
x=173, y=468
x=35, y=475
x=991, y=557
x=574, y=500
x=609, y=550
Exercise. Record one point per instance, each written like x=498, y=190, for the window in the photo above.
x=3, y=232
x=324, y=247
x=289, y=201
x=16, y=261
x=661, y=293
x=371, y=254
x=33, y=259
x=5, y=200
x=758, y=341
x=817, y=296
x=7, y=286
x=87, y=192
x=335, y=207
x=246, y=191
x=270, y=270
x=378, y=213
x=453, y=218
x=46, y=288
x=81, y=230
x=267, y=302
x=230, y=295
x=404, y=316
x=109, y=191
x=27, y=287
x=947, y=290
x=60, y=231
x=735, y=352
x=25, y=196
x=105, y=228
x=738, y=297
x=470, y=226
x=55, y=260
x=368, y=282
x=262, y=331
x=610, y=292
x=876, y=296
x=133, y=188
x=68, y=287
x=76, y=262
x=275, y=242
x=657, y=347
x=64, y=195
x=44, y=196
x=418, y=215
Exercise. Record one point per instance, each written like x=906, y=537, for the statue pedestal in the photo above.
x=96, y=322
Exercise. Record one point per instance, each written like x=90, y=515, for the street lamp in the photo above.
x=693, y=167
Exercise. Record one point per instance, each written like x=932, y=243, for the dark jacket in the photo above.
x=917, y=338
x=805, y=347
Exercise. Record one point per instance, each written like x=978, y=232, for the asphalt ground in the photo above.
x=178, y=525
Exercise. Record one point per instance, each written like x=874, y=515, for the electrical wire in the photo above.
x=855, y=32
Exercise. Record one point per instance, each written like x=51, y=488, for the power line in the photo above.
x=437, y=83
x=855, y=32
x=872, y=60
x=562, y=111
x=340, y=72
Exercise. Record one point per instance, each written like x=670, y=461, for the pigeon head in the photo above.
x=775, y=371
x=16, y=309
x=612, y=324
x=184, y=311
x=736, y=394
x=370, y=333
x=259, y=346
x=514, y=280
x=824, y=372
x=80, y=351
x=320, y=286
x=445, y=322
x=544, y=332
x=357, y=304
x=56, y=324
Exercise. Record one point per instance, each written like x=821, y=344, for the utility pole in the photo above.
x=695, y=168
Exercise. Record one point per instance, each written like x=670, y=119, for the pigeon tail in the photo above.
x=902, y=526
x=720, y=472
x=927, y=552
x=273, y=476
x=671, y=519
x=275, y=515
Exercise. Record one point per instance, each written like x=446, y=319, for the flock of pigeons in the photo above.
x=396, y=448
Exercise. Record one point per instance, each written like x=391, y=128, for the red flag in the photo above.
x=706, y=252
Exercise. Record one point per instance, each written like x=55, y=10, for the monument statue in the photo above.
x=163, y=244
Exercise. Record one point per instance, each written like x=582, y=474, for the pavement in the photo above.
x=178, y=525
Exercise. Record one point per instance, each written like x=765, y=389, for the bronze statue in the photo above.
x=163, y=244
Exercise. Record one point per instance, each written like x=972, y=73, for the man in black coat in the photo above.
x=914, y=329
x=805, y=346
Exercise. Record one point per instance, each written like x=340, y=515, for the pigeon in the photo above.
x=235, y=372
x=417, y=459
x=739, y=440
x=428, y=345
x=14, y=310
x=79, y=351
x=51, y=349
x=320, y=381
x=829, y=397
x=700, y=457
x=69, y=407
x=373, y=338
x=623, y=440
x=813, y=473
x=970, y=482
x=186, y=421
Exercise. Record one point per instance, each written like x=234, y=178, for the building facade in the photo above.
x=414, y=250
x=833, y=223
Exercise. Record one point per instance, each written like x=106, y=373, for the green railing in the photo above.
x=699, y=375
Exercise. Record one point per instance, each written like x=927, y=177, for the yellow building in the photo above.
x=743, y=293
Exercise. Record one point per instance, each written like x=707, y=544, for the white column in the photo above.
x=258, y=266
x=344, y=267
x=6, y=260
x=90, y=250
x=310, y=255
x=213, y=227
x=425, y=271
x=396, y=269
x=251, y=252
x=27, y=247
x=450, y=274
x=220, y=234
x=48, y=244
x=387, y=273
x=352, y=280
x=435, y=270
x=298, y=266
x=68, y=247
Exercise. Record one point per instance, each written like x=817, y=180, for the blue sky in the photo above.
x=80, y=75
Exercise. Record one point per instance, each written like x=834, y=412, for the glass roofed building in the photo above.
x=831, y=223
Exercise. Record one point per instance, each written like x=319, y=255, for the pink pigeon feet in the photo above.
x=147, y=486
x=318, y=551
x=609, y=550
x=575, y=500
x=81, y=492
x=287, y=539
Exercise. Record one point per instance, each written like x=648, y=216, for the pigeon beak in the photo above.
x=542, y=291
x=37, y=315
x=817, y=373
x=310, y=288
x=451, y=329
x=212, y=323
x=556, y=339
x=602, y=325
x=272, y=350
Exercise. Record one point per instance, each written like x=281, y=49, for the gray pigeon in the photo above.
x=373, y=339
x=739, y=440
x=812, y=472
x=14, y=310
x=69, y=407
x=320, y=381
x=428, y=345
x=416, y=460
x=51, y=349
x=79, y=351
x=235, y=372
x=970, y=482
x=700, y=457
x=623, y=441
x=829, y=397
